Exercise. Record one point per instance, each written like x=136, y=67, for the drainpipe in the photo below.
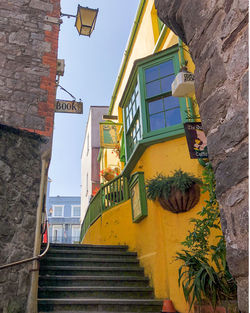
x=160, y=39
x=183, y=64
x=180, y=44
x=127, y=53
x=32, y=299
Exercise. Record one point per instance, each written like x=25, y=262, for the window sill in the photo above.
x=149, y=141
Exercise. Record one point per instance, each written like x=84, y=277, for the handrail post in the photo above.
x=32, y=298
x=125, y=187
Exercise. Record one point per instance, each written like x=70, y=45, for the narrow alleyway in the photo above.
x=92, y=278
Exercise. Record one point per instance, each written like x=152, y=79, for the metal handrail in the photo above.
x=38, y=257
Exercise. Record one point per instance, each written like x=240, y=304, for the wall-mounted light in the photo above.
x=85, y=20
x=183, y=84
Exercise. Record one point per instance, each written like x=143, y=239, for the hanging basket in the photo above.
x=109, y=176
x=179, y=202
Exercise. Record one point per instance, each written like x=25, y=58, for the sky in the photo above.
x=91, y=68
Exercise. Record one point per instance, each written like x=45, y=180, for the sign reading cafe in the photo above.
x=196, y=139
x=109, y=134
x=67, y=106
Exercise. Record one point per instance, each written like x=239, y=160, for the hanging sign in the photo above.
x=196, y=140
x=109, y=134
x=67, y=106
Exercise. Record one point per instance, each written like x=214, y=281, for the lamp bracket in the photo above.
x=68, y=15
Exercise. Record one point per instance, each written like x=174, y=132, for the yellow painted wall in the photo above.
x=143, y=45
x=158, y=236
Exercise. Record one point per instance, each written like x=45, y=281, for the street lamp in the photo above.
x=85, y=20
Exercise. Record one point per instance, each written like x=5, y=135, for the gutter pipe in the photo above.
x=127, y=53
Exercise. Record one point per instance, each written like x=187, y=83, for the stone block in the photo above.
x=228, y=135
x=41, y=46
x=34, y=122
x=20, y=37
x=232, y=170
x=214, y=109
x=13, y=118
x=41, y=5
x=244, y=87
x=242, y=294
x=215, y=76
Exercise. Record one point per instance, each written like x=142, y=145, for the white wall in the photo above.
x=92, y=140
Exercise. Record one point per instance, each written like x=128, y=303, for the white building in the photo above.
x=90, y=169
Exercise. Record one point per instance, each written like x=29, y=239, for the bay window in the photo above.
x=149, y=109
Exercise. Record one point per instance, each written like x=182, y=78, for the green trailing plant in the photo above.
x=200, y=278
x=161, y=186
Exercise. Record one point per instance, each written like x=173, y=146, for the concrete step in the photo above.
x=96, y=312
x=55, y=261
x=122, y=281
x=90, y=253
x=100, y=305
x=96, y=292
x=65, y=246
x=91, y=270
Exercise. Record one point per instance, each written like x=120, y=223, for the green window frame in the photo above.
x=160, y=24
x=132, y=119
x=159, y=115
x=172, y=109
x=138, y=197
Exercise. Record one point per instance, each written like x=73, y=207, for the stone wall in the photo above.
x=28, y=52
x=217, y=35
x=20, y=171
x=28, y=56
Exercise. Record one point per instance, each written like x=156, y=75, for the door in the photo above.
x=57, y=233
x=75, y=233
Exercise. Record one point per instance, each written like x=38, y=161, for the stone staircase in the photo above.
x=91, y=278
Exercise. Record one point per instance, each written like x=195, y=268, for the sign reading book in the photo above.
x=109, y=134
x=66, y=106
x=196, y=140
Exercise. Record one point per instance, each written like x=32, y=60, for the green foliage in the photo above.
x=200, y=280
x=161, y=186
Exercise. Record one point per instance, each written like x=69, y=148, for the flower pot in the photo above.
x=168, y=306
x=179, y=202
x=108, y=176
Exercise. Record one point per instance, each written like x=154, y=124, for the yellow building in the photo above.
x=152, y=140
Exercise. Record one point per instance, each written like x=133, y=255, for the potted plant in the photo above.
x=109, y=173
x=177, y=193
x=204, y=274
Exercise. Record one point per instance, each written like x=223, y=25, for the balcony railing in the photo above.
x=109, y=195
x=63, y=239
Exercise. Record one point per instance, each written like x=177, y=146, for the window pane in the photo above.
x=127, y=123
x=152, y=73
x=171, y=102
x=166, y=68
x=57, y=211
x=166, y=83
x=76, y=211
x=157, y=121
x=155, y=106
x=153, y=88
x=173, y=117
